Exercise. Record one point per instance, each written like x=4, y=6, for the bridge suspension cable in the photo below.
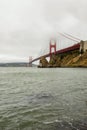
x=44, y=49
x=68, y=37
x=73, y=36
x=64, y=42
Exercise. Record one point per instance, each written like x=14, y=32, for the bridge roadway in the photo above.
x=71, y=48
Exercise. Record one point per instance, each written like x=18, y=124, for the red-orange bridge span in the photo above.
x=68, y=49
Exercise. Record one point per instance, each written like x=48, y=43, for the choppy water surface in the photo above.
x=43, y=99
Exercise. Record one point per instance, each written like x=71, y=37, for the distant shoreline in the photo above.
x=20, y=64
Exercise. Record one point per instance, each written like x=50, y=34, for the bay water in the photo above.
x=43, y=99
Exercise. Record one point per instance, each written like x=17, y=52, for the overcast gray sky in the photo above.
x=27, y=25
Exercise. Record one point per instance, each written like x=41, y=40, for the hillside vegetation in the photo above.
x=73, y=59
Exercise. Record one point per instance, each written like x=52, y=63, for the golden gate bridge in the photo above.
x=53, y=46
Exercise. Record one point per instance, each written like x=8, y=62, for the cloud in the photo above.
x=26, y=26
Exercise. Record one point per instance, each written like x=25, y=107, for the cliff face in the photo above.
x=43, y=62
x=81, y=61
x=73, y=59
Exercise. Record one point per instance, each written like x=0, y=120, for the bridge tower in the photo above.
x=30, y=59
x=51, y=47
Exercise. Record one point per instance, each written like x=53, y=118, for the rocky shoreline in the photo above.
x=70, y=59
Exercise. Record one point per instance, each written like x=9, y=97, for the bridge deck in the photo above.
x=71, y=48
